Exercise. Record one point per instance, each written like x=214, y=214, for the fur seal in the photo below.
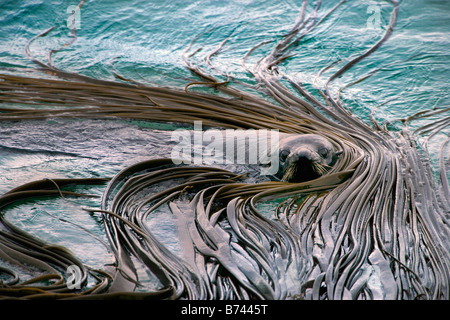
x=281, y=156
x=304, y=157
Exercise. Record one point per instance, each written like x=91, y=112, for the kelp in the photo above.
x=374, y=227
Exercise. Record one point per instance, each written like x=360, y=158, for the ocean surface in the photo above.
x=145, y=41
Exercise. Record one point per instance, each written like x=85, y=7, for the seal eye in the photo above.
x=323, y=152
x=283, y=155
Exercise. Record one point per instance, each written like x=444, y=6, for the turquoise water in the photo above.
x=146, y=41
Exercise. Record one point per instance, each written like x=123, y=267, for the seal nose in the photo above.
x=302, y=155
x=303, y=160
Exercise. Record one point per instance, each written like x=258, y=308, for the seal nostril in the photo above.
x=304, y=158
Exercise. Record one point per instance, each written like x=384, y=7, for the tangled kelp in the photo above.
x=374, y=227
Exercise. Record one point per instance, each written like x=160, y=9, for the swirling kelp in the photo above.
x=373, y=227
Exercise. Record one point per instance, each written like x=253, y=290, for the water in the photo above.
x=146, y=40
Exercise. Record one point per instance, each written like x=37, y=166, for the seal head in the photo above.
x=304, y=157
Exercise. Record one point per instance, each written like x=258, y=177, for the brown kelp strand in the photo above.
x=375, y=226
x=23, y=250
x=209, y=224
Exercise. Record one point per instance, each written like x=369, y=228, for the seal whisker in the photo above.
x=320, y=168
x=289, y=173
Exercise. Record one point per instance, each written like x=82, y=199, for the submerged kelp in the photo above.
x=373, y=227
